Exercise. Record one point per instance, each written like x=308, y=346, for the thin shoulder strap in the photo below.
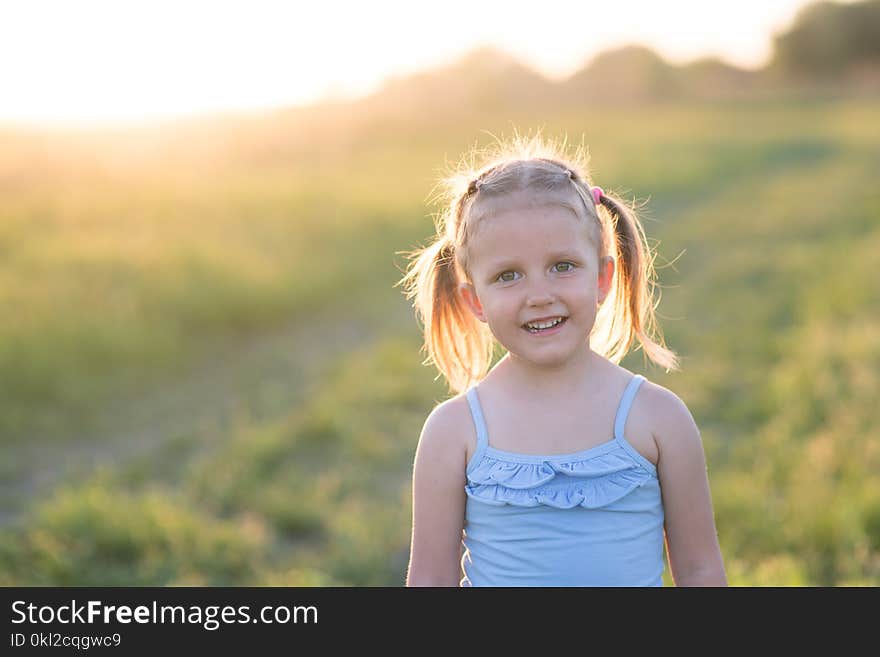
x=477, y=415
x=625, y=403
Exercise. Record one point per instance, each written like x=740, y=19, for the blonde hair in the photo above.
x=460, y=345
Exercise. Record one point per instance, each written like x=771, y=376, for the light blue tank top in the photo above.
x=588, y=518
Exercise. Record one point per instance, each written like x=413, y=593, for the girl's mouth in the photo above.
x=546, y=327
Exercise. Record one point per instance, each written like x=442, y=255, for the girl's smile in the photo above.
x=545, y=326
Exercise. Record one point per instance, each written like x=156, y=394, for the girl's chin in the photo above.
x=546, y=355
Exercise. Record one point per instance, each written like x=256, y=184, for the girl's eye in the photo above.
x=507, y=276
x=566, y=266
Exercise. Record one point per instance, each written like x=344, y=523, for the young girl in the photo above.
x=557, y=467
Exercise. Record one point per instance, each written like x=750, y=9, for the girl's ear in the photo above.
x=606, y=276
x=469, y=294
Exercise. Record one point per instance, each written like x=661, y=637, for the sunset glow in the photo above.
x=97, y=60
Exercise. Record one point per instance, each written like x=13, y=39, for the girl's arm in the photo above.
x=439, y=498
x=691, y=538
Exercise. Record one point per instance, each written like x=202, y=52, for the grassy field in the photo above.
x=208, y=375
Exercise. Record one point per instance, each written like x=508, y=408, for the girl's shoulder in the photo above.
x=653, y=406
x=657, y=398
x=660, y=413
x=452, y=411
x=449, y=424
x=656, y=416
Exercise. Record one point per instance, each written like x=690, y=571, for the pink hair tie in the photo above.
x=598, y=193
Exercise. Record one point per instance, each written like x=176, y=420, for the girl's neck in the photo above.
x=578, y=373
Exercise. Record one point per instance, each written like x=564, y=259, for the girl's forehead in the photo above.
x=534, y=231
x=542, y=222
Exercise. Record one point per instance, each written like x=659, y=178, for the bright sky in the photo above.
x=82, y=61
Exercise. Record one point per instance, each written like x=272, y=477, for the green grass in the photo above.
x=126, y=274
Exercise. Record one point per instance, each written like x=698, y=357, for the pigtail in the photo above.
x=630, y=316
x=457, y=343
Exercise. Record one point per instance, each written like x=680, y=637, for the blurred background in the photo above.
x=207, y=374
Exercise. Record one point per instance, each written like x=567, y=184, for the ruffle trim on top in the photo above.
x=590, y=482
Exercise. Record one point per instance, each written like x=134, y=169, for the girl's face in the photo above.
x=537, y=264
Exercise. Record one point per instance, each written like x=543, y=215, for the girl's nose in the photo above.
x=540, y=295
x=543, y=300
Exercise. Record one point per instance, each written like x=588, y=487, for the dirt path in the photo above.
x=252, y=381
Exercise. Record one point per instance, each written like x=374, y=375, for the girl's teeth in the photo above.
x=544, y=325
